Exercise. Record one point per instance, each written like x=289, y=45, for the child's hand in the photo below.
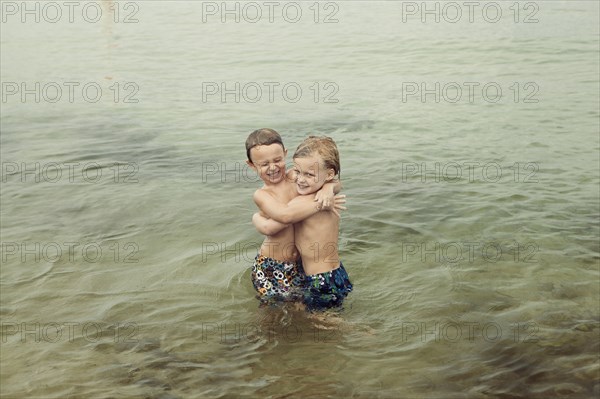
x=338, y=200
x=325, y=197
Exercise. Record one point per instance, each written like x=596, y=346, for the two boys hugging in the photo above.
x=298, y=260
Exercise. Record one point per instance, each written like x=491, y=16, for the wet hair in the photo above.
x=264, y=136
x=325, y=147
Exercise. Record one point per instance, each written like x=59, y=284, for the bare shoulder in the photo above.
x=262, y=194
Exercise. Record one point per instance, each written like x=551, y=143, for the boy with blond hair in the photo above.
x=277, y=273
x=316, y=163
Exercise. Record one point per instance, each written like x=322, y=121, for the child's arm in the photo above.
x=266, y=226
x=325, y=196
x=335, y=185
x=291, y=213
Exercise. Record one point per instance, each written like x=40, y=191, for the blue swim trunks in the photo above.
x=277, y=281
x=327, y=290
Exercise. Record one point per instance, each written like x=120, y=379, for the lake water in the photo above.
x=470, y=158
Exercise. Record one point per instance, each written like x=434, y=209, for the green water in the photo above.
x=472, y=229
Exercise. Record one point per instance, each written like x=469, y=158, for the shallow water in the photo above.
x=472, y=233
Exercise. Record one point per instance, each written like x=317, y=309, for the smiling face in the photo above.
x=269, y=162
x=310, y=174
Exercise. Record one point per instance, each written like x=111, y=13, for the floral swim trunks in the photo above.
x=277, y=281
x=326, y=290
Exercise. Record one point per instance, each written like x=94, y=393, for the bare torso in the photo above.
x=317, y=240
x=281, y=246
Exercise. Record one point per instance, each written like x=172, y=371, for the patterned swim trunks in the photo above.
x=326, y=290
x=276, y=281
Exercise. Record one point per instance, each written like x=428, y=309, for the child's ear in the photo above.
x=330, y=175
x=250, y=164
